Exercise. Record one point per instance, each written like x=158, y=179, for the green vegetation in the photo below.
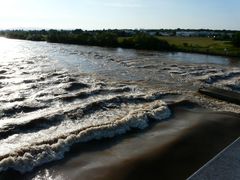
x=144, y=41
x=236, y=39
x=105, y=38
x=25, y=35
x=203, y=45
x=83, y=38
x=225, y=43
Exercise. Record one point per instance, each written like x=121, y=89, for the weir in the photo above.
x=221, y=94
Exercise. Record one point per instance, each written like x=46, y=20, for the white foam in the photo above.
x=33, y=149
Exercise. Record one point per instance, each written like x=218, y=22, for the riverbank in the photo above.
x=203, y=45
x=143, y=41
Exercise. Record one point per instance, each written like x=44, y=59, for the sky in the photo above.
x=122, y=14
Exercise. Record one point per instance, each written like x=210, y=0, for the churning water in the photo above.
x=53, y=95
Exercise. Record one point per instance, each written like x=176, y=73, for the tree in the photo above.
x=236, y=39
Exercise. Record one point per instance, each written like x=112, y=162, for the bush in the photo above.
x=144, y=41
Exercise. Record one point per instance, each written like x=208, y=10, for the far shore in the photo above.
x=141, y=41
x=192, y=51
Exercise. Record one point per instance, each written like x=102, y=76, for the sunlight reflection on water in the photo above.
x=10, y=50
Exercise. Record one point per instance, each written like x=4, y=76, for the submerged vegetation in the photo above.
x=213, y=42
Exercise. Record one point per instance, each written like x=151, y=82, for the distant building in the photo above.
x=129, y=31
x=152, y=33
x=165, y=34
x=186, y=33
x=202, y=33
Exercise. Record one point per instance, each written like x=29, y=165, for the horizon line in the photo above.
x=103, y=29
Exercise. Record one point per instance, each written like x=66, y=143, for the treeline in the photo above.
x=105, y=38
x=25, y=35
x=98, y=38
x=137, y=39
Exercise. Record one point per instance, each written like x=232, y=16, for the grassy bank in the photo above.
x=203, y=45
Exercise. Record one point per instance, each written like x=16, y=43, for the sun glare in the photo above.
x=9, y=49
x=8, y=8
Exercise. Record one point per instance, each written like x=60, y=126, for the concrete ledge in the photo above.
x=221, y=94
x=224, y=166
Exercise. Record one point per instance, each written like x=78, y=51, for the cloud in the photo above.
x=123, y=5
x=115, y=4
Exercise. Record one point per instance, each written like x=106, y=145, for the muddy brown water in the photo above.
x=78, y=112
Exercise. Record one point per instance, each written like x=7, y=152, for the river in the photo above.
x=70, y=111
